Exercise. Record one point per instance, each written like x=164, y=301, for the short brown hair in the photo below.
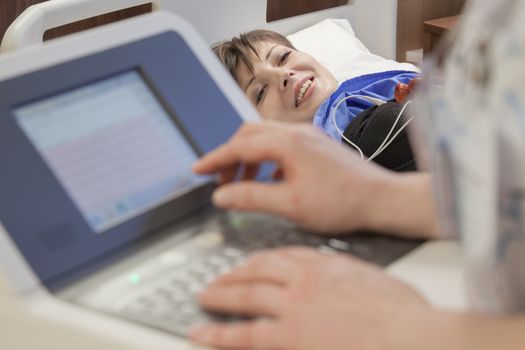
x=232, y=52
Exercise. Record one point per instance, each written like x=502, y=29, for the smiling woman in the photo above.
x=283, y=83
x=286, y=84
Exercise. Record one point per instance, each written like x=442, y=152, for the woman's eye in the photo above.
x=284, y=57
x=260, y=95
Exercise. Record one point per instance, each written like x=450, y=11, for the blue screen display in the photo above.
x=113, y=147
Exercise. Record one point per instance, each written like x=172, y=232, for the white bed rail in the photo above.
x=29, y=28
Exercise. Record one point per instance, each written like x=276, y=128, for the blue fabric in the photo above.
x=378, y=85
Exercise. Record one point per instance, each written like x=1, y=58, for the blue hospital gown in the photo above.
x=378, y=85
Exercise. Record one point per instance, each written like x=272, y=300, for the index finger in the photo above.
x=253, y=149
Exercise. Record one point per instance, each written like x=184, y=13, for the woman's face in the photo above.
x=286, y=84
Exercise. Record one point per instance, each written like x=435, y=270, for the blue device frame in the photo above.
x=35, y=210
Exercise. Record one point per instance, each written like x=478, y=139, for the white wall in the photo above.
x=376, y=25
x=374, y=21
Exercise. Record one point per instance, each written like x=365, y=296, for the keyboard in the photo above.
x=170, y=303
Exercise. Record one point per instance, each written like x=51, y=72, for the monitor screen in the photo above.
x=113, y=148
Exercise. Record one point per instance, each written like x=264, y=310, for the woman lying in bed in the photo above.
x=286, y=84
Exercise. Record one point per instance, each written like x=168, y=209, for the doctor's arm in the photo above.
x=325, y=186
x=311, y=301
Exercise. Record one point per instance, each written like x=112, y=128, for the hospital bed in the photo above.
x=218, y=20
x=415, y=268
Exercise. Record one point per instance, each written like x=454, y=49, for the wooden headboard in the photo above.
x=278, y=9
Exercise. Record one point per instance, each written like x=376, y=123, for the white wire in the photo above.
x=339, y=130
x=390, y=131
x=382, y=147
x=392, y=139
x=386, y=142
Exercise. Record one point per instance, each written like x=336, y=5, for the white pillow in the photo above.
x=334, y=44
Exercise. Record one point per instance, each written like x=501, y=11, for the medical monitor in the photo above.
x=96, y=152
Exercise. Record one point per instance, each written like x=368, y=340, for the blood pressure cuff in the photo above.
x=369, y=129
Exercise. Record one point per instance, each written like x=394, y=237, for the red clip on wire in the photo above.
x=402, y=91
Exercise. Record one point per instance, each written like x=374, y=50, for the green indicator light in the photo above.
x=238, y=222
x=134, y=278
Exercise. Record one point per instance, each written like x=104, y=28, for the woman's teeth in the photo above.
x=303, y=90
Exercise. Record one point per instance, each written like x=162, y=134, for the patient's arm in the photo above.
x=325, y=186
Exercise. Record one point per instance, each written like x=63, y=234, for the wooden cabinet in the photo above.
x=435, y=29
x=411, y=16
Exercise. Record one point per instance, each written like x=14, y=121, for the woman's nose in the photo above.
x=286, y=79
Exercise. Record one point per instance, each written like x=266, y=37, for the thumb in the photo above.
x=253, y=196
